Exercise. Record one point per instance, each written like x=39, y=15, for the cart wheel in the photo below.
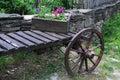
x=84, y=52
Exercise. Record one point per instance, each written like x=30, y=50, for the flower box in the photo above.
x=50, y=25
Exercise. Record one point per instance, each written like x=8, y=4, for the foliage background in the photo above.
x=29, y=6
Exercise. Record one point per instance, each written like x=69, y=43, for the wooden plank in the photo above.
x=45, y=35
x=20, y=33
x=6, y=45
x=50, y=25
x=23, y=40
x=71, y=34
x=38, y=36
x=65, y=35
x=11, y=41
x=56, y=35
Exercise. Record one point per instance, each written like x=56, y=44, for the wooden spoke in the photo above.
x=86, y=64
x=89, y=41
x=95, y=47
x=77, y=62
x=79, y=50
x=73, y=58
x=92, y=61
x=81, y=64
x=81, y=46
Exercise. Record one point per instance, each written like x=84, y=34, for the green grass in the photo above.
x=111, y=58
x=34, y=66
x=5, y=60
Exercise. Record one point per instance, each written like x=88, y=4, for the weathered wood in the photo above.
x=65, y=35
x=12, y=41
x=46, y=35
x=24, y=40
x=30, y=38
x=21, y=39
x=6, y=45
x=38, y=36
x=71, y=34
x=50, y=25
x=55, y=35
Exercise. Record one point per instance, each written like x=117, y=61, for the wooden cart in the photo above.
x=83, y=52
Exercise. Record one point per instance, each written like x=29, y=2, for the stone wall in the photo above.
x=92, y=18
x=13, y=22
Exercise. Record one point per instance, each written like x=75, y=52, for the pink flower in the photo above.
x=55, y=13
x=59, y=10
x=69, y=17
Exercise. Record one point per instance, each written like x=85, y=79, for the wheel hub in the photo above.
x=89, y=53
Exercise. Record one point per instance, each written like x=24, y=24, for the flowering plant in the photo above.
x=57, y=14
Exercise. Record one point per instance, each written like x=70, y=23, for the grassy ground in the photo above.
x=31, y=66
x=111, y=58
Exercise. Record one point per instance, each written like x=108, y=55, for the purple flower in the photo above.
x=59, y=10
x=38, y=10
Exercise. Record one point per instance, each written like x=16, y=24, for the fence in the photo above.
x=85, y=4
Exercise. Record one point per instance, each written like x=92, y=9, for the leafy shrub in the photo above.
x=70, y=4
x=17, y=6
x=28, y=6
x=3, y=6
x=111, y=30
x=52, y=3
x=111, y=33
x=67, y=4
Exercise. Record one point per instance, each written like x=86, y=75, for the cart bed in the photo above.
x=13, y=42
